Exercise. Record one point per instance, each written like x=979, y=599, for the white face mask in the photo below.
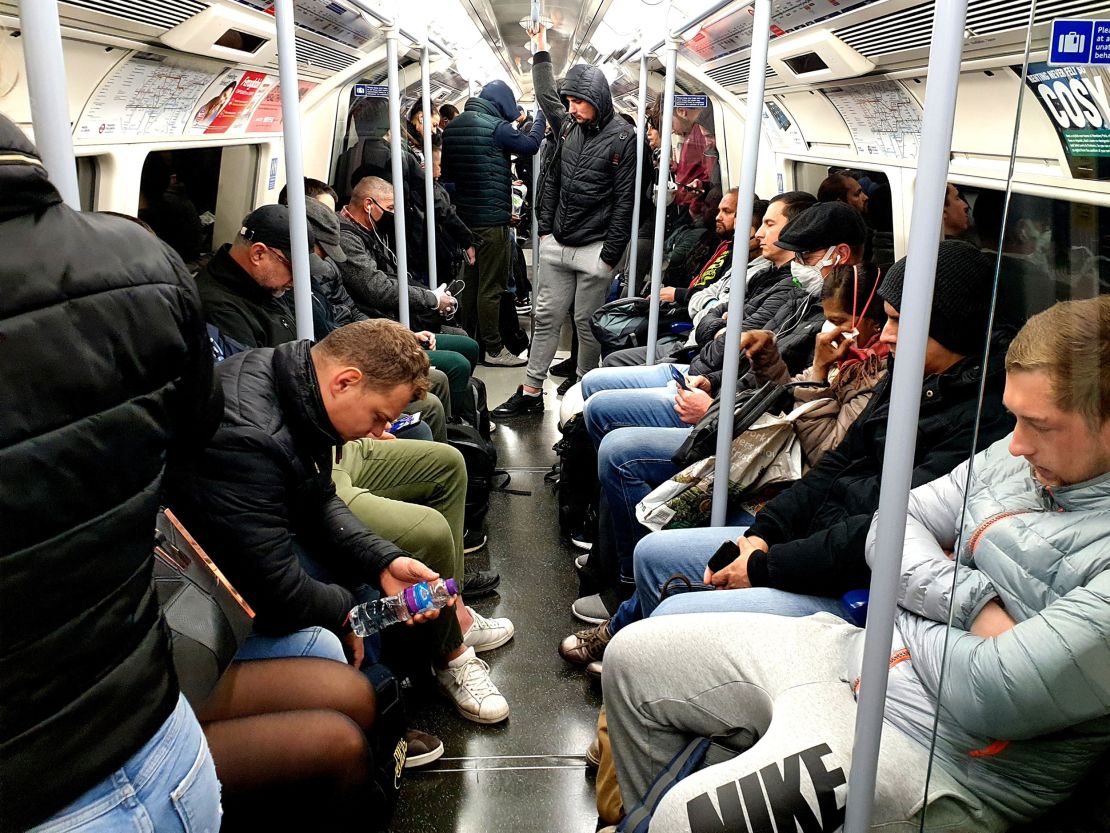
x=810, y=278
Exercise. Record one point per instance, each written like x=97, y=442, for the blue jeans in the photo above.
x=307, y=642
x=168, y=786
x=625, y=397
x=751, y=600
x=630, y=463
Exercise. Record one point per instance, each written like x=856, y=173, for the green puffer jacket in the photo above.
x=480, y=169
x=1023, y=715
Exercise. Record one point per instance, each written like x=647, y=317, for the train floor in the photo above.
x=529, y=773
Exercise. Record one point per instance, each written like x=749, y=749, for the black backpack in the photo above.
x=481, y=470
x=474, y=410
x=387, y=745
x=576, y=485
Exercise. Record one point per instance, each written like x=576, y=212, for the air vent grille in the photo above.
x=734, y=74
x=157, y=13
x=310, y=53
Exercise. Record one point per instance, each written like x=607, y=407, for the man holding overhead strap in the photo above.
x=585, y=215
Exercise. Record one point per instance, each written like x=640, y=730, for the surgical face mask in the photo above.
x=810, y=278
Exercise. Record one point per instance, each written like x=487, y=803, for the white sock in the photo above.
x=537, y=393
x=461, y=658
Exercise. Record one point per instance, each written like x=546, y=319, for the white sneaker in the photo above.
x=486, y=634
x=466, y=682
x=580, y=561
x=590, y=609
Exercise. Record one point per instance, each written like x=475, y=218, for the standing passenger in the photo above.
x=585, y=215
x=477, y=148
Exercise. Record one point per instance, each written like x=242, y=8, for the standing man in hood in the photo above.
x=585, y=215
x=477, y=148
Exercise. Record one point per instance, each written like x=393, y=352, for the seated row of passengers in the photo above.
x=1030, y=601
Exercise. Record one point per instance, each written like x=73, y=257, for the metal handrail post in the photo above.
x=429, y=185
x=757, y=79
x=641, y=133
x=46, y=85
x=665, y=129
x=945, y=51
x=294, y=167
x=395, y=150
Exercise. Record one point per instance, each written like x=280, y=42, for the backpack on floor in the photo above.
x=474, y=410
x=576, y=484
x=387, y=745
x=481, y=470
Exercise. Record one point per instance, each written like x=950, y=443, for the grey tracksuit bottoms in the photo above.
x=780, y=689
x=566, y=273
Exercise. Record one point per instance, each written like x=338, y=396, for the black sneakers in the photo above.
x=519, y=403
x=479, y=583
x=566, y=368
x=566, y=384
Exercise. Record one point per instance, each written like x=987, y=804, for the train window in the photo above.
x=367, y=124
x=184, y=193
x=1037, y=448
x=866, y=190
x=88, y=170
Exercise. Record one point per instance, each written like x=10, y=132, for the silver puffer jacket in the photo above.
x=1023, y=715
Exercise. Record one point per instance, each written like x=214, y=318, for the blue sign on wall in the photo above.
x=691, y=101
x=1076, y=42
x=273, y=174
x=371, y=91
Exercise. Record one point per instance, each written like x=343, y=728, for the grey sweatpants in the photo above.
x=566, y=273
x=779, y=689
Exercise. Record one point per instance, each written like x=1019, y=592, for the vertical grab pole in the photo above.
x=905, y=399
x=429, y=187
x=641, y=133
x=536, y=161
x=294, y=167
x=757, y=79
x=401, y=241
x=46, y=84
x=671, y=62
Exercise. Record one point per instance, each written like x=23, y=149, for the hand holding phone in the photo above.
x=404, y=421
x=679, y=377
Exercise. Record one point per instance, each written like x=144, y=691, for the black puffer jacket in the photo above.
x=818, y=527
x=104, y=365
x=585, y=196
x=262, y=489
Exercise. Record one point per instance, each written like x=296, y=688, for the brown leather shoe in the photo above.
x=587, y=645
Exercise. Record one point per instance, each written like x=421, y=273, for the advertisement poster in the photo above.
x=266, y=117
x=781, y=130
x=229, y=99
x=147, y=95
x=1076, y=100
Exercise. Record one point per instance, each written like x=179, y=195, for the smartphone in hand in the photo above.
x=679, y=377
x=404, y=421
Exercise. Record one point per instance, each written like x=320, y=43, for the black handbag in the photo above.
x=207, y=618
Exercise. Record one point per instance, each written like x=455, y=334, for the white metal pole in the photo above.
x=395, y=151
x=905, y=398
x=46, y=85
x=641, y=133
x=294, y=167
x=670, y=50
x=429, y=187
x=757, y=78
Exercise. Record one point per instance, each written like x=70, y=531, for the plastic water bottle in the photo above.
x=371, y=617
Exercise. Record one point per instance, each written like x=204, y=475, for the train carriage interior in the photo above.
x=878, y=129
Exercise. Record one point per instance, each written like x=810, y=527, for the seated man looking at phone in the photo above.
x=805, y=548
x=1017, y=695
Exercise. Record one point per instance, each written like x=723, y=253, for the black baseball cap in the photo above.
x=324, y=223
x=269, y=225
x=822, y=225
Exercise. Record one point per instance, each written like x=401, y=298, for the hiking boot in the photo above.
x=590, y=609
x=486, y=634
x=593, y=755
x=567, y=368
x=477, y=584
x=473, y=540
x=466, y=683
x=423, y=749
x=586, y=646
x=503, y=358
x=518, y=404
x=566, y=385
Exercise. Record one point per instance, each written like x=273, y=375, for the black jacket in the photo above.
x=240, y=307
x=104, y=365
x=818, y=527
x=262, y=490
x=587, y=191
